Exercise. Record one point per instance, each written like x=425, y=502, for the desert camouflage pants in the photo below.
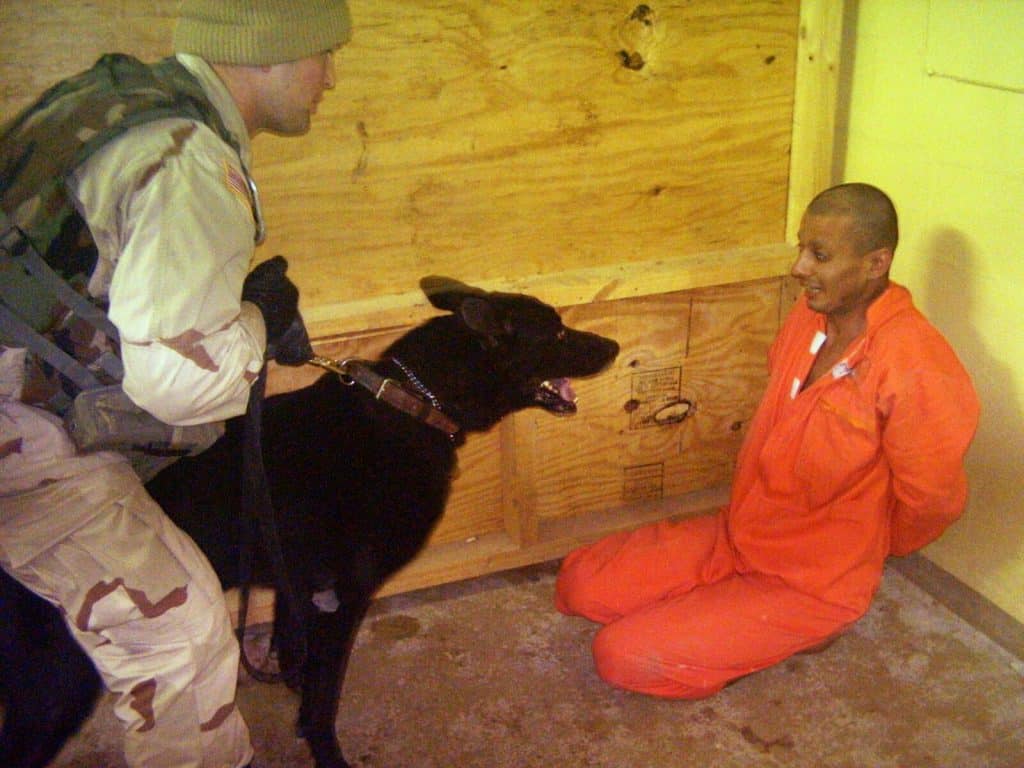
x=142, y=600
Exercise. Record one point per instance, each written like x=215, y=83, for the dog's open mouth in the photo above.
x=556, y=396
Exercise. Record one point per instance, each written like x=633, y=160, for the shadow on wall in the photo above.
x=993, y=463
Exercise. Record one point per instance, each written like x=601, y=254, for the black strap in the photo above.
x=23, y=252
x=258, y=515
x=20, y=252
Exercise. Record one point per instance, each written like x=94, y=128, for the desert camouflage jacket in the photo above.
x=130, y=183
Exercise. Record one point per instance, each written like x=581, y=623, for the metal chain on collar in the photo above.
x=414, y=380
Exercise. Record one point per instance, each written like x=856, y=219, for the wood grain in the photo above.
x=497, y=142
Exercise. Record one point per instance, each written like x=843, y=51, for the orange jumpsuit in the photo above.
x=865, y=462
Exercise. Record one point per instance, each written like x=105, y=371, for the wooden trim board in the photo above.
x=819, y=56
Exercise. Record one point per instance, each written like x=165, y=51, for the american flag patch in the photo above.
x=235, y=181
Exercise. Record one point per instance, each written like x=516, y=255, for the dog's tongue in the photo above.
x=564, y=389
x=556, y=396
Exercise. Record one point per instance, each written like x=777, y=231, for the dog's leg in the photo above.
x=330, y=644
x=47, y=684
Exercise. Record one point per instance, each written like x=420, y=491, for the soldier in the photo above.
x=130, y=183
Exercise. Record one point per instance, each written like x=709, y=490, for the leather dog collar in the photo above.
x=391, y=391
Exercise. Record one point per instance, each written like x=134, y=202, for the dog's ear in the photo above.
x=482, y=317
x=447, y=293
x=472, y=305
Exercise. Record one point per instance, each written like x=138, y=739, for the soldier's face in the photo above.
x=292, y=92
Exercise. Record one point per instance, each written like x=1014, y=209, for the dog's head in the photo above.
x=500, y=352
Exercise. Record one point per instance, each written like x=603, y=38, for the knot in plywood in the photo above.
x=639, y=34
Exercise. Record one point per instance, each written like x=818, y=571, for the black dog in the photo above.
x=357, y=484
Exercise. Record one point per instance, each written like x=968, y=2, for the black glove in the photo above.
x=275, y=295
x=293, y=347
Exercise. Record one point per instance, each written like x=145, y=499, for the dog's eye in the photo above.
x=561, y=335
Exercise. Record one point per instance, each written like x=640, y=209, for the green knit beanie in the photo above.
x=260, y=32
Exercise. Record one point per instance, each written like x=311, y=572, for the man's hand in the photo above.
x=278, y=300
x=275, y=295
x=293, y=347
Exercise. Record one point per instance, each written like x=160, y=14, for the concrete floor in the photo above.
x=485, y=674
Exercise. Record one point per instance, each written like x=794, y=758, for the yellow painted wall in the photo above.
x=950, y=152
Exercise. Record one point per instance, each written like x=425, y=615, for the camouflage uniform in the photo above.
x=171, y=212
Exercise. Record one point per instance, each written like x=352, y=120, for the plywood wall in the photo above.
x=509, y=141
x=581, y=151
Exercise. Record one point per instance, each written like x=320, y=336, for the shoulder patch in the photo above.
x=235, y=182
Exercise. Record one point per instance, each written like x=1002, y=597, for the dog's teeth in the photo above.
x=560, y=388
x=552, y=388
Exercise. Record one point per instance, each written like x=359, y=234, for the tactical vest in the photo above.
x=46, y=251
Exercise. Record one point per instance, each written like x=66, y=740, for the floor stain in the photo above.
x=395, y=628
x=765, y=745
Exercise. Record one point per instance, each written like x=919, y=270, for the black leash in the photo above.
x=258, y=516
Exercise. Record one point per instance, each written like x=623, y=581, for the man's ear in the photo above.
x=879, y=262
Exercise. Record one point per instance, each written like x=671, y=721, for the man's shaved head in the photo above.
x=873, y=214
